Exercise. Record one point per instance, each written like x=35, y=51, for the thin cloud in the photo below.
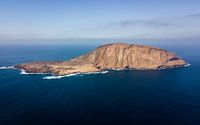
x=169, y=27
x=183, y=26
x=149, y=23
x=195, y=15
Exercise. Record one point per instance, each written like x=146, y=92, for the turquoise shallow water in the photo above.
x=164, y=97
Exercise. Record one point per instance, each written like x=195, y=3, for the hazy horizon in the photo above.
x=111, y=19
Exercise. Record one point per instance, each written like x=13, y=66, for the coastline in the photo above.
x=52, y=76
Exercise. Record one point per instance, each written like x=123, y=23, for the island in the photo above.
x=116, y=56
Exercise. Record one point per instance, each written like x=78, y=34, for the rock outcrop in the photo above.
x=110, y=56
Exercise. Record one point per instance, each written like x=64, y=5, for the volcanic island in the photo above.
x=115, y=56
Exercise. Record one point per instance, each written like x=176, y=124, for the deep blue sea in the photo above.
x=165, y=97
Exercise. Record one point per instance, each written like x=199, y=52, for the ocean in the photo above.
x=164, y=97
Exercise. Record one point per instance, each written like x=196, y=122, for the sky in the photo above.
x=99, y=19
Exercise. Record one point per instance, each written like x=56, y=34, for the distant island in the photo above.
x=117, y=56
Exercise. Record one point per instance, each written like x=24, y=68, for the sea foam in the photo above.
x=7, y=67
x=58, y=77
x=23, y=72
x=187, y=65
x=75, y=74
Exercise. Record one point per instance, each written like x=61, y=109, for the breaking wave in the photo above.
x=23, y=72
x=58, y=77
x=187, y=65
x=75, y=74
x=7, y=67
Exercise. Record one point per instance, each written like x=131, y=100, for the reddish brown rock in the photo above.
x=110, y=56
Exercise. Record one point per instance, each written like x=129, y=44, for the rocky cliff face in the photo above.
x=110, y=56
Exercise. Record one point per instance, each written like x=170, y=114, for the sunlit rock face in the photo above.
x=110, y=56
